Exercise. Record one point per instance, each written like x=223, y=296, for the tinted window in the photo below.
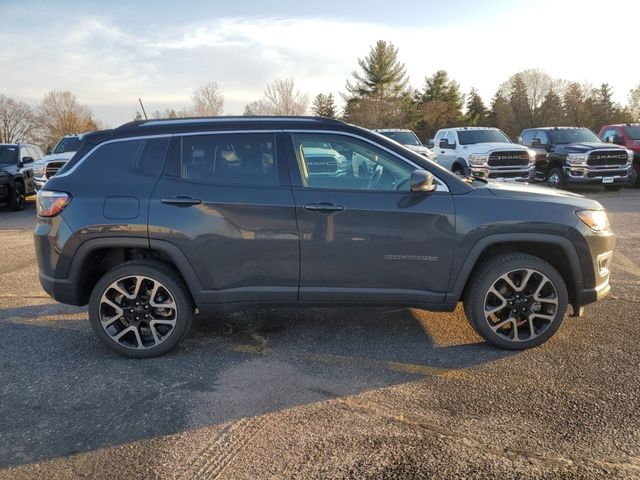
x=151, y=157
x=543, y=137
x=528, y=136
x=469, y=137
x=633, y=132
x=348, y=164
x=68, y=144
x=572, y=135
x=113, y=157
x=404, y=138
x=232, y=159
x=8, y=154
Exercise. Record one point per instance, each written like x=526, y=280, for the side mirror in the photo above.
x=519, y=140
x=446, y=144
x=422, y=181
x=430, y=143
x=27, y=160
x=49, y=151
x=536, y=143
x=618, y=140
x=608, y=139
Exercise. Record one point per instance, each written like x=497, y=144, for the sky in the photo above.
x=109, y=54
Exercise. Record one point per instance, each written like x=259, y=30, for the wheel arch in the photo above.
x=562, y=256
x=97, y=256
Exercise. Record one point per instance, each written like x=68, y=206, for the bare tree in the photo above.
x=634, y=103
x=281, y=98
x=61, y=114
x=207, y=100
x=16, y=120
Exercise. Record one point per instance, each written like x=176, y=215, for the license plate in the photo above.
x=607, y=179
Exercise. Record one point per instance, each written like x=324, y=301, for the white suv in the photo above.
x=483, y=152
x=407, y=138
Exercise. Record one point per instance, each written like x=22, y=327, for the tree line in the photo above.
x=377, y=95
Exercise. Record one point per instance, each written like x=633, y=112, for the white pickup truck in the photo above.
x=407, y=138
x=483, y=152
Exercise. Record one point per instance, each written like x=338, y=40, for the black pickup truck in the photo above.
x=575, y=155
x=16, y=173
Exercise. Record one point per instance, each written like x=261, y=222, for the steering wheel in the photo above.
x=403, y=185
x=375, y=178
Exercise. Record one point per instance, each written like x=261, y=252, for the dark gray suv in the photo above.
x=155, y=220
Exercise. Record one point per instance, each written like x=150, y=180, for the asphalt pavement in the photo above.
x=320, y=393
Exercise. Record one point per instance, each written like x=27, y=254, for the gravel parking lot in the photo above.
x=315, y=393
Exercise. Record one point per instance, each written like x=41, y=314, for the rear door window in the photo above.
x=225, y=159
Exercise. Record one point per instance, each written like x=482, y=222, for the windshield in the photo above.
x=572, y=135
x=8, y=154
x=469, y=137
x=68, y=144
x=404, y=138
x=633, y=132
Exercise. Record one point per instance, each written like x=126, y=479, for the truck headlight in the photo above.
x=630, y=157
x=532, y=158
x=596, y=220
x=478, y=160
x=38, y=171
x=577, y=158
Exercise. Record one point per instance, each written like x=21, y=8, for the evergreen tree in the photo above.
x=519, y=101
x=439, y=104
x=476, y=114
x=382, y=74
x=379, y=96
x=324, y=106
x=551, y=113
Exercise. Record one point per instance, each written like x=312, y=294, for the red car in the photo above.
x=627, y=135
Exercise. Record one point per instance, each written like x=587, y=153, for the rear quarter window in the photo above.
x=141, y=156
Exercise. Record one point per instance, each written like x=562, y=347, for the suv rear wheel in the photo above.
x=516, y=301
x=141, y=309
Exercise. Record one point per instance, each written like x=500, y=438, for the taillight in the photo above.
x=50, y=204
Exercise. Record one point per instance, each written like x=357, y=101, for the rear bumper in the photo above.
x=60, y=289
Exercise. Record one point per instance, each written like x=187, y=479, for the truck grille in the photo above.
x=52, y=168
x=509, y=159
x=607, y=158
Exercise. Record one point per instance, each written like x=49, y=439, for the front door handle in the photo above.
x=323, y=207
x=181, y=201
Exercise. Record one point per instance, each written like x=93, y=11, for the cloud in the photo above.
x=109, y=66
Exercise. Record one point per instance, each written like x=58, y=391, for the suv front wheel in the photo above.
x=141, y=309
x=516, y=301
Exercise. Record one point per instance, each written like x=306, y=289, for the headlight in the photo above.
x=596, y=220
x=532, y=157
x=629, y=157
x=478, y=160
x=577, y=158
x=38, y=171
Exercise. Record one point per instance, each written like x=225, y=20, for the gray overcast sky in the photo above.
x=111, y=53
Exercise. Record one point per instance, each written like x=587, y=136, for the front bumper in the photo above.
x=606, y=175
x=595, y=255
x=506, y=174
x=39, y=182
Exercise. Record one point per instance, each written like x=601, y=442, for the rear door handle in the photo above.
x=181, y=201
x=323, y=207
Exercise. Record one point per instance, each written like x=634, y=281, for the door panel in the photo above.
x=381, y=246
x=229, y=214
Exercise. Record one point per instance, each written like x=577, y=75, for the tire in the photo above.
x=513, y=331
x=167, y=323
x=16, y=199
x=458, y=170
x=613, y=188
x=555, y=178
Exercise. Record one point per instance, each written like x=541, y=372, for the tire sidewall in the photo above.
x=474, y=306
x=17, y=197
x=156, y=271
x=561, y=180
